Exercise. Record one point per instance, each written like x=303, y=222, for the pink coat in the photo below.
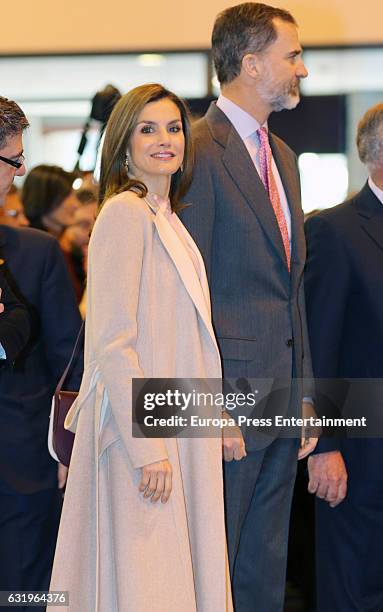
x=148, y=315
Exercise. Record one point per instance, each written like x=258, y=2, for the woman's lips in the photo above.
x=163, y=155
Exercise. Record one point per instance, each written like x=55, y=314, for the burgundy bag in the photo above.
x=62, y=439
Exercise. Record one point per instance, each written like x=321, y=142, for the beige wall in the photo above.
x=99, y=25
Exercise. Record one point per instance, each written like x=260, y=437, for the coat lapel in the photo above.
x=370, y=210
x=203, y=277
x=185, y=267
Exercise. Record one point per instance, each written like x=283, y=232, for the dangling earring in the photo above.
x=182, y=167
x=126, y=163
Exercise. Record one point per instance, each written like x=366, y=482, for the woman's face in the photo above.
x=64, y=214
x=157, y=144
x=85, y=217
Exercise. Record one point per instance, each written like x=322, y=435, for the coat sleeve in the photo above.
x=327, y=281
x=14, y=323
x=116, y=254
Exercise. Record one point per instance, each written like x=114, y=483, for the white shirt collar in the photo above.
x=375, y=189
x=244, y=123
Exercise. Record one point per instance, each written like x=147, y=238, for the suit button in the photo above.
x=290, y=342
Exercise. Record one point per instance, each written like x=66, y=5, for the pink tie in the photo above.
x=265, y=158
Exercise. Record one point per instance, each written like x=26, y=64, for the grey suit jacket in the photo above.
x=258, y=306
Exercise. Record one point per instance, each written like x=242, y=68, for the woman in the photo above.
x=50, y=204
x=143, y=524
x=48, y=198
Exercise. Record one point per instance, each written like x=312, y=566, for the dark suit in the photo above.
x=344, y=293
x=29, y=498
x=14, y=323
x=259, y=318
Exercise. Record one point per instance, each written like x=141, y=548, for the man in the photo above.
x=15, y=323
x=246, y=218
x=12, y=210
x=344, y=293
x=30, y=500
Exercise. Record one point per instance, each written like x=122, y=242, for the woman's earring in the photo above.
x=182, y=167
x=126, y=164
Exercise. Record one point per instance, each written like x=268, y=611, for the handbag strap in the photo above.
x=75, y=348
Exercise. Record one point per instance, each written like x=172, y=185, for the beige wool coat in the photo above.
x=148, y=316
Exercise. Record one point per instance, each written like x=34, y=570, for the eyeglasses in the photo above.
x=15, y=163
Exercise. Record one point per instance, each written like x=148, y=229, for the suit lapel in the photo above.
x=370, y=211
x=185, y=267
x=289, y=176
x=239, y=165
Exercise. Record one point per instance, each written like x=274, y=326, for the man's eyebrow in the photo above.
x=295, y=52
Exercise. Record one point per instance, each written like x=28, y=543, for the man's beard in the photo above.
x=282, y=97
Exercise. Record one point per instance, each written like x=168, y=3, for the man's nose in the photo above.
x=21, y=171
x=302, y=71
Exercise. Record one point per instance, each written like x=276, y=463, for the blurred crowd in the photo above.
x=50, y=202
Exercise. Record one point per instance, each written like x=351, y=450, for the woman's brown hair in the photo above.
x=113, y=176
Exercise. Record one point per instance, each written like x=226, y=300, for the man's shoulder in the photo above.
x=337, y=213
x=283, y=146
x=201, y=130
x=27, y=237
x=337, y=220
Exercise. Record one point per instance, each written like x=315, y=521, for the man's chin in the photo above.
x=287, y=102
x=292, y=101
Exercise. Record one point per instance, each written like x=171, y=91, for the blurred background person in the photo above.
x=12, y=210
x=49, y=199
x=75, y=238
x=50, y=204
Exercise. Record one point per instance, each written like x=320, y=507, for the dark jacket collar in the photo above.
x=367, y=204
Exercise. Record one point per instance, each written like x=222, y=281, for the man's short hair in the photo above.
x=369, y=137
x=242, y=29
x=12, y=120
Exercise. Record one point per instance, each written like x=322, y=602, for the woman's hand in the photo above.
x=156, y=481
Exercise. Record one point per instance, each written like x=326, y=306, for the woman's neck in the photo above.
x=159, y=185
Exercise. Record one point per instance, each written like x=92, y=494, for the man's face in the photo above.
x=12, y=150
x=12, y=211
x=281, y=68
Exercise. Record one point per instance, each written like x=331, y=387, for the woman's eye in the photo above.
x=147, y=129
x=176, y=128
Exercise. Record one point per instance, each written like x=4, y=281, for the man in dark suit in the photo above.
x=344, y=293
x=246, y=217
x=30, y=500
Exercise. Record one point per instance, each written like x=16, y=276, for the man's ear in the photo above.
x=250, y=65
